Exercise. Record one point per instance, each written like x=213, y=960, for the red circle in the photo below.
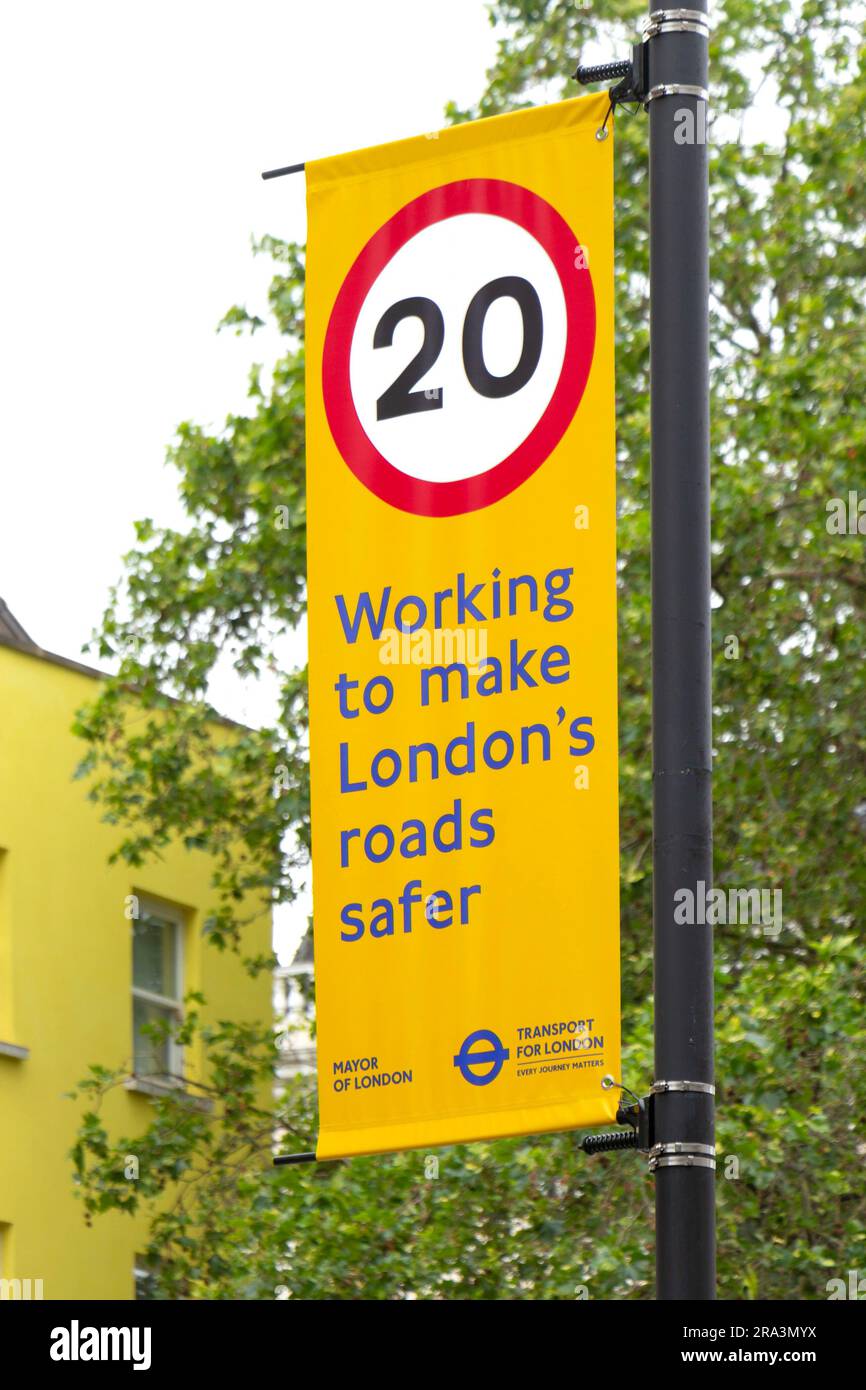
x=392, y=485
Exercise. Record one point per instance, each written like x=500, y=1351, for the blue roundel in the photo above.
x=492, y=1056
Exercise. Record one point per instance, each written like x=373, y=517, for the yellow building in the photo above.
x=79, y=975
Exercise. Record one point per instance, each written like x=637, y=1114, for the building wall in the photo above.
x=65, y=982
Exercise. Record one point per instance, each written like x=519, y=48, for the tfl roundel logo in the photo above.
x=482, y=1049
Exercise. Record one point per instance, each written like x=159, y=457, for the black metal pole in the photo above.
x=683, y=1157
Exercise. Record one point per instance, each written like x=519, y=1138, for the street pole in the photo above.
x=683, y=1159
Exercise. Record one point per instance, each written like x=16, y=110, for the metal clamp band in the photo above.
x=704, y=1087
x=688, y=16
x=682, y=1147
x=681, y=1161
x=679, y=26
x=677, y=89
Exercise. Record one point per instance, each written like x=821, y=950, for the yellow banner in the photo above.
x=462, y=626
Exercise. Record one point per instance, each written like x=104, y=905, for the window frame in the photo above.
x=173, y=916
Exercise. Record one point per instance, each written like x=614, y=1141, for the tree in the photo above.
x=535, y=1217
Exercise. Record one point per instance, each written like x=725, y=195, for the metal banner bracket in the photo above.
x=639, y=1115
x=632, y=86
x=634, y=74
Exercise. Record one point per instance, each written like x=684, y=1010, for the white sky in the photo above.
x=134, y=137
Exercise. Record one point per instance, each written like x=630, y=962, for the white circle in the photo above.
x=465, y=433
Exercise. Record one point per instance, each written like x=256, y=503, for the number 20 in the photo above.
x=400, y=399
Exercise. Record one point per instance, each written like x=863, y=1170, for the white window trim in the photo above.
x=165, y=912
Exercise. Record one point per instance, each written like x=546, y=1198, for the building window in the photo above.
x=157, y=989
x=6, y=964
x=145, y=1280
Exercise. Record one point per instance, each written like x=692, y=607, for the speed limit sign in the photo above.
x=459, y=347
x=461, y=600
